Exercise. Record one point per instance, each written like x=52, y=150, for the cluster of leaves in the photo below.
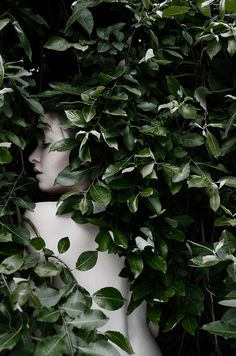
x=152, y=105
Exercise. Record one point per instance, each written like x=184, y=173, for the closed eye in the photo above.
x=45, y=144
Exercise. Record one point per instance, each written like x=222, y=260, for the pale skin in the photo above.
x=52, y=227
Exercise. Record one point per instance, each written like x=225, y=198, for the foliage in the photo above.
x=150, y=89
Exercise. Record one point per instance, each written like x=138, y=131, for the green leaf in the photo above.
x=89, y=319
x=230, y=6
x=68, y=177
x=85, y=18
x=120, y=340
x=190, y=324
x=100, y=193
x=86, y=260
x=120, y=238
x=132, y=203
x=38, y=243
x=214, y=198
x=97, y=348
x=221, y=328
x=5, y=156
x=46, y=315
x=2, y=71
x=213, y=48
x=212, y=144
x=66, y=144
x=63, y=245
x=75, y=304
x=173, y=234
x=48, y=297
x=47, y=269
x=136, y=263
x=57, y=44
x=3, y=22
x=175, y=10
x=11, y=264
x=156, y=262
x=109, y=298
x=188, y=111
x=173, y=85
x=204, y=7
x=231, y=48
x=184, y=174
x=53, y=345
x=24, y=202
x=23, y=39
x=9, y=339
x=192, y=140
x=200, y=95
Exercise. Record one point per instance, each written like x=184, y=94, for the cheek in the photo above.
x=57, y=161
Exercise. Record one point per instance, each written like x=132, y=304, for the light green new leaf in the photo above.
x=3, y=22
x=100, y=194
x=109, y=298
x=175, y=10
x=51, y=346
x=120, y=340
x=86, y=260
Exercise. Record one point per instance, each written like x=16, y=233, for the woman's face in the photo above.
x=47, y=165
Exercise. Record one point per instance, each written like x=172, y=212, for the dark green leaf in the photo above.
x=120, y=340
x=109, y=298
x=87, y=260
x=63, y=245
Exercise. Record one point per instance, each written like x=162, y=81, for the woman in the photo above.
x=52, y=227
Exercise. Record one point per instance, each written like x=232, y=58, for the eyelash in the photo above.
x=45, y=144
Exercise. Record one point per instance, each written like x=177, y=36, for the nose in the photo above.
x=34, y=157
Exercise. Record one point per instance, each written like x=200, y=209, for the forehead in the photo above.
x=51, y=125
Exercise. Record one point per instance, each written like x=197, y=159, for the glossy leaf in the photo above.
x=63, y=245
x=108, y=298
x=118, y=339
x=87, y=260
